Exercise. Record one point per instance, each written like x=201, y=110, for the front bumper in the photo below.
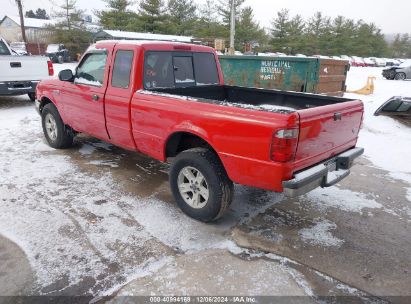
x=12, y=88
x=323, y=175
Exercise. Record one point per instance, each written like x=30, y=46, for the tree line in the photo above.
x=287, y=34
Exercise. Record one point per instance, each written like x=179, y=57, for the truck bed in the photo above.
x=331, y=123
x=257, y=99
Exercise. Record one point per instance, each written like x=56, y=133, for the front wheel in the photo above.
x=400, y=76
x=200, y=184
x=57, y=134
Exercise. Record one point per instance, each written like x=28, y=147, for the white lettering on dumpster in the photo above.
x=270, y=69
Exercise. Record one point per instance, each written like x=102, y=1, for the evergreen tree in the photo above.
x=152, y=16
x=118, y=16
x=279, y=31
x=224, y=10
x=248, y=31
x=296, y=37
x=401, y=46
x=317, y=36
x=39, y=14
x=207, y=25
x=30, y=14
x=42, y=14
x=181, y=17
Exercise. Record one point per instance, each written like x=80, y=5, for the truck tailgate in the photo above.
x=23, y=68
x=326, y=131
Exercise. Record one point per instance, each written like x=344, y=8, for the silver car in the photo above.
x=401, y=72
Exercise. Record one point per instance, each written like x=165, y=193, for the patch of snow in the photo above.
x=87, y=149
x=342, y=199
x=149, y=267
x=154, y=93
x=87, y=82
x=320, y=235
x=108, y=163
x=184, y=81
x=382, y=133
x=264, y=107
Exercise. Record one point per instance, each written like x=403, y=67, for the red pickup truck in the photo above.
x=168, y=100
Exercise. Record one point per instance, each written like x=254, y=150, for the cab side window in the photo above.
x=91, y=69
x=122, y=69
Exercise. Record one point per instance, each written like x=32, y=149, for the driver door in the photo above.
x=84, y=97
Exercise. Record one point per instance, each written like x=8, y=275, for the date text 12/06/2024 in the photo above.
x=202, y=299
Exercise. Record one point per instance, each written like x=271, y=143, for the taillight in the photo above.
x=284, y=145
x=50, y=67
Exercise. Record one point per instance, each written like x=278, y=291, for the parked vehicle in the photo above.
x=392, y=62
x=369, y=62
x=401, y=72
x=357, y=62
x=19, y=48
x=57, y=53
x=168, y=100
x=396, y=107
x=379, y=62
x=21, y=74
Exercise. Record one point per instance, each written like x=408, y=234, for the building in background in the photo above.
x=37, y=32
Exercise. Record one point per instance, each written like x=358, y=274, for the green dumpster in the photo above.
x=300, y=74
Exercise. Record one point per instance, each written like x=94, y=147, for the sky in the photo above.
x=390, y=18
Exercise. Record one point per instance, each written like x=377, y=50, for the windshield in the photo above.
x=4, y=50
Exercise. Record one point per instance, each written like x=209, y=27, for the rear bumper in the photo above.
x=323, y=175
x=12, y=88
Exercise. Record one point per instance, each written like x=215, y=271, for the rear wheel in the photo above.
x=400, y=76
x=57, y=134
x=200, y=184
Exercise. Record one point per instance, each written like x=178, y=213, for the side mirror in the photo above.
x=66, y=75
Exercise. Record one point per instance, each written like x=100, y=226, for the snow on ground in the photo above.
x=387, y=142
x=320, y=234
x=342, y=199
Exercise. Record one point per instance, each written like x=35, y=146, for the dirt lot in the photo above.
x=97, y=220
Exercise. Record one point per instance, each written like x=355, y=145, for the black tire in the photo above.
x=400, y=76
x=220, y=187
x=32, y=96
x=64, y=137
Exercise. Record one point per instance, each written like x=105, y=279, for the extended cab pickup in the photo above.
x=21, y=74
x=169, y=101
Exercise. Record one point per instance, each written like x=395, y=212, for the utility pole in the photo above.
x=232, y=29
x=23, y=29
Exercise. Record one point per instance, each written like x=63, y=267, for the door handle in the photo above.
x=95, y=97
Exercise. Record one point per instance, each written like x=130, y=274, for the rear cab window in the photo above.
x=179, y=69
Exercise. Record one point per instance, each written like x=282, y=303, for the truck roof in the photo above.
x=157, y=44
